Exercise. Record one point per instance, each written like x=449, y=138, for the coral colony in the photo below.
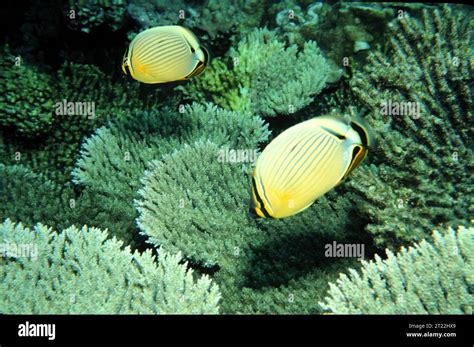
x=138, y=194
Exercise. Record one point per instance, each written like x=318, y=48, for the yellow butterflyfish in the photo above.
x=306, y=161
x=164, y=54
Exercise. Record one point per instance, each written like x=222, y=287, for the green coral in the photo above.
x=28, y=197
x=55, y=153
x=26, y=101
x=266, y=77
x=89, y=14
x=32, y=198
x=47, y=161
x=114, y=159
x=423, y=279
x=424, y=160
x=183, y=193
x=81, y=271
x=193, y=202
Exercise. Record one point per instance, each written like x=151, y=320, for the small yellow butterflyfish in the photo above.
x=164, y=54
x=306, y=161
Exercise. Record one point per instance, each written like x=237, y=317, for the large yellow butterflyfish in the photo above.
x=164, y=54
x=306, y=161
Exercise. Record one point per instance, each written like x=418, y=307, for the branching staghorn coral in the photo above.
x=44, y=165
x=80, y=271
x=29, y=197
x=114, y=159
x=194, y=202
x=424, y=159
x=423, y=279
x=32, y=198
x=266, y=77
x=206, y=195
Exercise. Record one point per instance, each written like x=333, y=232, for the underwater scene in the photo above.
x=236, y=157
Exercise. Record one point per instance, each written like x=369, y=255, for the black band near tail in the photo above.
x=364, y=137
x=257, y=195
x=127, y=69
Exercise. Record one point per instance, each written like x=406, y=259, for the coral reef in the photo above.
x=214, y=16
x=294, y=19
x=114, y=159
x=211, y=17
x=149, y=14
x=194, y=203
x=424, y=158
x=29, y=197
x=86, y=15
x=266, y=77
x=25, y=102
x=300, y=21
x=343, y=29
x=150, y=184
x=24, y=193
x=55, y=152
x=423, y=279
x=81, y=271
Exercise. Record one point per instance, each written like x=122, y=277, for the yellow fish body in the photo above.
x=164, y=54
x=304, y=162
